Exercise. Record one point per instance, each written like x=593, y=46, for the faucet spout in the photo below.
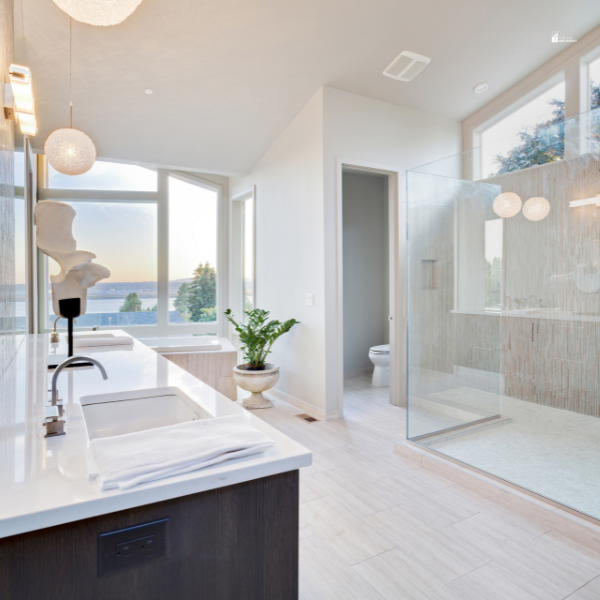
x=70, y=361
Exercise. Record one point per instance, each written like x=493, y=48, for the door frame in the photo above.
x=397, y=277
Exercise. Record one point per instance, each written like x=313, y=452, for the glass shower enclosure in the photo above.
x=504, y=310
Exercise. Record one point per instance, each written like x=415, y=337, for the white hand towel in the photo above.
x=124, y=461
x=92, y=342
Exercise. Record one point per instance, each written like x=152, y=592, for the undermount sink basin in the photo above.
x=107, y=415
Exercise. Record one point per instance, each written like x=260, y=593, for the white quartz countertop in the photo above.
x=45, y=480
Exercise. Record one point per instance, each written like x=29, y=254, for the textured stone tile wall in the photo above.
x=7, y=201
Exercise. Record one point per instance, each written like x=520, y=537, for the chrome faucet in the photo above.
x=54, y=426
x=66, y=363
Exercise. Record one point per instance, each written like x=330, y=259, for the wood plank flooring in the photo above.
x=376, y=528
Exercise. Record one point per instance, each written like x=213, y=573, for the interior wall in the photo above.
x=7, y=201
x=289, y=251
x=364, y=129
x=366, y=267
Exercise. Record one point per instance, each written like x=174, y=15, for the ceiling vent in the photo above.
x=406, y=66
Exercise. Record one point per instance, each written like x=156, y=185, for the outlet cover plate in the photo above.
x=132, y=547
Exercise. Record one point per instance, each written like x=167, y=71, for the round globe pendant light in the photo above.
x=536, y=209
x=70, y=151
x=507, y=204
x=98, y=12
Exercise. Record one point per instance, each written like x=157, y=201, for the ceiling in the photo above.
x=229, y=75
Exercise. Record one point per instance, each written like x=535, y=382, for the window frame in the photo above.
x=161, y=198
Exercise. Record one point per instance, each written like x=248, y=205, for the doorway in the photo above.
x=366, y=251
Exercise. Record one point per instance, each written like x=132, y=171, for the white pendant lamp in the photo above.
x=98, y=12
x=68, y=150
x=536, y=209
x=507, y=204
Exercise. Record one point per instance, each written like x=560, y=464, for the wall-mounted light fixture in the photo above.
x=18, y=99
x=585, y=202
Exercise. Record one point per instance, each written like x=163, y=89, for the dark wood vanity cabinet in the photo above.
x=234, y=543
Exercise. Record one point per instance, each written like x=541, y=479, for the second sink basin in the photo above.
x=107, y=415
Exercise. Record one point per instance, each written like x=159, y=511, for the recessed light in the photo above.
x=149, y=91
x=480, y=88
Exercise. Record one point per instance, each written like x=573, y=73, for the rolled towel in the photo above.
x=127, y=460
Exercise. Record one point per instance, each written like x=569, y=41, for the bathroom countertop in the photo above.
x=45, y=481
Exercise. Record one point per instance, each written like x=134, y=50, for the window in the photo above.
x=20, y=245
x=248, y=258
x=192, y=252
x=106, y=176
x=594, y=79
x=530, y=135
x=243, y=276
x=129, y=296
x=157, y=233
x=493, y=264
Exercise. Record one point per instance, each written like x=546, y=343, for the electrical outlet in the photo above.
x=132, y=547
x=310, y=299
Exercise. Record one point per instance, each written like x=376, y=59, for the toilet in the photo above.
x=380, y=357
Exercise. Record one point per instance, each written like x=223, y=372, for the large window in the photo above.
x=248, y=258
x=157, y=233
x=526, y=137
x=193, y=225
x=594, y=79
x=493, y=264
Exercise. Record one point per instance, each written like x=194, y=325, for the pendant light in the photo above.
x=536, y=209
x=507, y=204
x=98, y=12
x=68, y=150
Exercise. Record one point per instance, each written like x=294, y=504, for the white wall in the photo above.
x=363, y=129
x=289, y=250
x=296, y=243
x=366, y=278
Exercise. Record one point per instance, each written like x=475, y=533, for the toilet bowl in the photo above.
x=380, y=357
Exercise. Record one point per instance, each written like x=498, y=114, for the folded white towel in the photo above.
x=127, y=460
x=92, y=342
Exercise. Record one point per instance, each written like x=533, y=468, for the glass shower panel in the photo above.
x=454, y=339
x=504, y=311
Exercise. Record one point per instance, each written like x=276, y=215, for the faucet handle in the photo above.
x=54, y=427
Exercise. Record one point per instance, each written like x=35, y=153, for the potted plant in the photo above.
x=257, y=335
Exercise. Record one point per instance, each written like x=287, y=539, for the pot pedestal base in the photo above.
x=255, y=401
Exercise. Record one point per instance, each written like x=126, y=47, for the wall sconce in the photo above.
x=18, y=99
x=585, y=202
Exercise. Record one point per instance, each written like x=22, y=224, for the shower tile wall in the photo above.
x=7, y=202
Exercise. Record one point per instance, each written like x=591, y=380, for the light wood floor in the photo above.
x=374, y=527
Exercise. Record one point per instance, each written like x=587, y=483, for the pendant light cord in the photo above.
x=70, y=72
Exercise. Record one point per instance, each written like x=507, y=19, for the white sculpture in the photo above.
x=54, y=221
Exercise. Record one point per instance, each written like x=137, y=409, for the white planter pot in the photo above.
x=256, y=382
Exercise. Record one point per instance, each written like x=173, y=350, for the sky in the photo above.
x=501, y=137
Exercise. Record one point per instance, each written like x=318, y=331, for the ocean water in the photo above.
x=99, y=305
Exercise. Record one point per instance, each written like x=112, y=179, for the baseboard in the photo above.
x=358, y=372
x=313, y=411
x=570, y=523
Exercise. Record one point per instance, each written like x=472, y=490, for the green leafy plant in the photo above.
x=257, y=335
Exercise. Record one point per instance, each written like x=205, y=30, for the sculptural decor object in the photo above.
x=54, y=221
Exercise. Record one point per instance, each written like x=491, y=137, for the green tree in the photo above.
x=545, y=142
x=202, y=292
x=132, y=303
x=182, y=300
